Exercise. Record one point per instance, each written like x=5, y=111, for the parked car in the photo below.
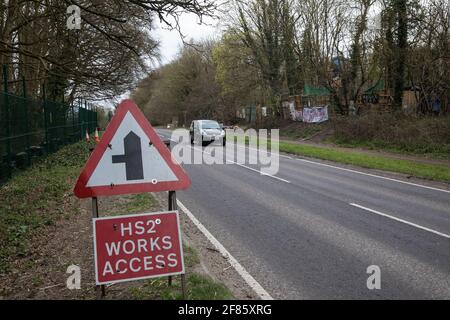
x=205, y=132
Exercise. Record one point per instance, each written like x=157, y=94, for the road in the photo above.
x=312, y=231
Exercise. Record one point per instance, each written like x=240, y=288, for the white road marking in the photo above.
x=260, y=172
x=361, y=173
x=374, y=176
x=354, y=171
x=259, y=290
x=248, y=168
x=281, y=155
x=401, y=220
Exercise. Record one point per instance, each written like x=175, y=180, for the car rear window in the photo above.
x=210, y=125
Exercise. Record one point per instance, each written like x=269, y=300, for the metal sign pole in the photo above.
x=101, y=289
x=173, y=206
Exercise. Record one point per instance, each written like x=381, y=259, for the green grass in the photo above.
x=395, y=132
x=416, y=169
x=41, y=195
x=303, y=132
x=199, y=287
x=37, y=197
x=412, y=168
x=191, y=258
x=137, y=203
x=438, y=151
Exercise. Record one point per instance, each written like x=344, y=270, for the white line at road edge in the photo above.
x=374, y=176
x=259, y=290
x=401, y=220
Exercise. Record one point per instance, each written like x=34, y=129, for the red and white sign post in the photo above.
x=131, y=158
x=137, y=247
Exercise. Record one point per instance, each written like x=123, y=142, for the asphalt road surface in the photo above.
x=311, y=231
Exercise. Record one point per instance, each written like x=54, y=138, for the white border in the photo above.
x=177, y=213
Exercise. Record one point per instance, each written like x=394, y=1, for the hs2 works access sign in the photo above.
x=137, y=247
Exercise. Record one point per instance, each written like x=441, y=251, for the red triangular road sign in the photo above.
x=131, y=158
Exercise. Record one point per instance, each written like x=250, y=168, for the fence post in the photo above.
x=64, y=116
x=87, y=116
x=73, y=122
x=27, y=119
x=79, y=119
x=8, y=118
x=44, y=98
x=82, y=118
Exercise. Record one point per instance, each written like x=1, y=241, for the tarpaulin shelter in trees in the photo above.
x=371, y=95
x=311, y=106
x=315, y=96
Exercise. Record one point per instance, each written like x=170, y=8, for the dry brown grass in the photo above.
x=396, y=132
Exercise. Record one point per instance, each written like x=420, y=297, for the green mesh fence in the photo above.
x=30, y=129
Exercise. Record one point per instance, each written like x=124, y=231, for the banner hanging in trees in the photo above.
x=315, y=115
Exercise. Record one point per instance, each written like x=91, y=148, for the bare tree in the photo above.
x=103, y=59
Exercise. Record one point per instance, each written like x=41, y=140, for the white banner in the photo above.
x=315, y=115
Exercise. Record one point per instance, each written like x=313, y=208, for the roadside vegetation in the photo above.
x=38, y=197
x=357, y=158
x=198, y=286
x=368, y=55
x=365, y=61
x=412, y=168
x=413, y=135
x=300, y=130
x=132, y=204
x=79, y=64
x=36, y=200
x=417, y=135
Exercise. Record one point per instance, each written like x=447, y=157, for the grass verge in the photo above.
x=408, y=167
x=429, y=151
x=397, y=132
x=198, y=286
x=42, y=195
x=416, y=169
x=37, y=197
x=300, y=130
x=136, y=203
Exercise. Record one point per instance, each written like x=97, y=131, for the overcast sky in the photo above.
x=171, y=40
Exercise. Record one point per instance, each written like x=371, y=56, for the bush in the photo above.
x=425, y=135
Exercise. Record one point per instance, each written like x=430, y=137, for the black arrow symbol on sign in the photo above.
x=132, y=157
